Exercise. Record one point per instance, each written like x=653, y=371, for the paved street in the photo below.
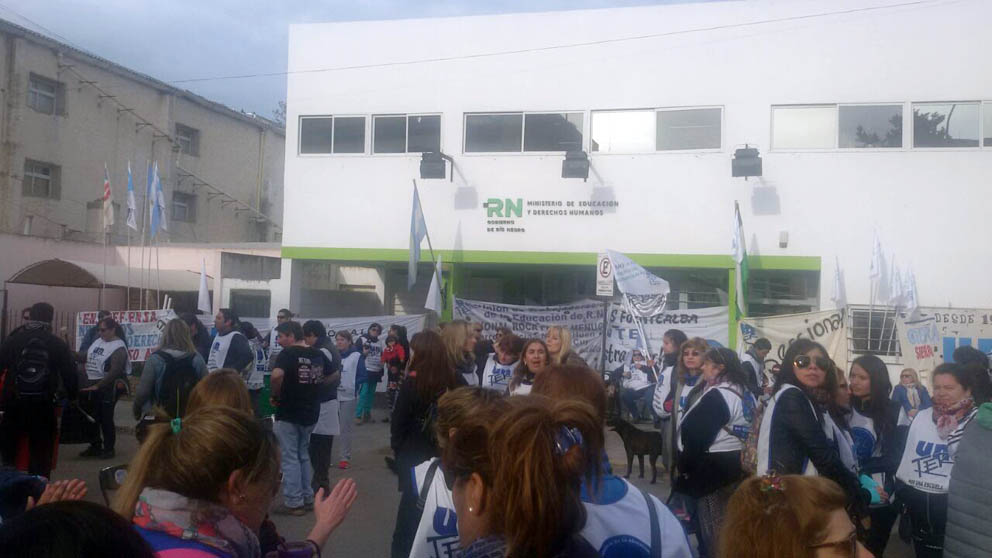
x=368, y=529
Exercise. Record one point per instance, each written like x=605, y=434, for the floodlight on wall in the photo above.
x=432, y=165
x=575, y=165
x=747, y=162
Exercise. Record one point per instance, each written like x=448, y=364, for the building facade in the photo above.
x=870, y=118
x=65, y=114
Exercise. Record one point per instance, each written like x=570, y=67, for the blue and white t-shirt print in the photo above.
x=437, y=534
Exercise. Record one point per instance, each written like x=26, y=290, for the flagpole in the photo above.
x=144, y=229
x=871, y=310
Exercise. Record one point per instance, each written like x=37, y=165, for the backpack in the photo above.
x=177, y=382
x=749, y=453
x=32, y=375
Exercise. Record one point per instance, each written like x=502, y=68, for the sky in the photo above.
x=184, y=39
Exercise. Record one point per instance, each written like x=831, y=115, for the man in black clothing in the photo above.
x=322, y=437
x=30, y=413
x=230, y=348
x=296, y=380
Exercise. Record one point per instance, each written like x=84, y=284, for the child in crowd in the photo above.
x=393, y=359
x=500, y=364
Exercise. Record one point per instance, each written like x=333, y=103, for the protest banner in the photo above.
x=920, y=341
x=622, y=335
x=584, y=319
x=142, y=329
x=829, y=328
x=959, y=327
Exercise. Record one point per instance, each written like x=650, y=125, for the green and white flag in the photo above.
x=740, y=261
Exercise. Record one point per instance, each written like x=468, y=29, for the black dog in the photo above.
x=638, y=442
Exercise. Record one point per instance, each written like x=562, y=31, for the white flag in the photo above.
x=435, y=301
x=839, y=296
x=632, y=279
x=897, y=293
x=203, y=301
x=160, y=201
x=875, y=269
x=909, y=294
x=132, y=207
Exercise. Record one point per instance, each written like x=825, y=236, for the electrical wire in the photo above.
x=564, y=46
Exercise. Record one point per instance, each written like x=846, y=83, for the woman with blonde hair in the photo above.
x=202, y=486
x=910, y=393
x=459, y=341
x=221, y=388
x=792, y=516
x=559, y=343
x=175, y=363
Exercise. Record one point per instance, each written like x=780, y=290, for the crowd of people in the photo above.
x=499, y=445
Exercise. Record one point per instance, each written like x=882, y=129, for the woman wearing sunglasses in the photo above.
x=879, y=427
x=926, y=465
x=711, y=437
x=791, y=516
x=798, y=435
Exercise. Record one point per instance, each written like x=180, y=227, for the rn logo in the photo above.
x=505, y=208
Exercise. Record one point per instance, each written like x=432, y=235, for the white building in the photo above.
x=869, y=116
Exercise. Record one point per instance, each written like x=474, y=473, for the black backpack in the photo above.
x=32, y=374
x=177, y=382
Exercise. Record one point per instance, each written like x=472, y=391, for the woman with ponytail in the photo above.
x=516, y=482
x=792, y=516
x=201, y=486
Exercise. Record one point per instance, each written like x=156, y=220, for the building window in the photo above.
x=41, y=180
x=809, y=127
x=315, y=134
x=45, y=96
x=870, y=126
x=493, y=133
x=188, y=139
x=945, y=124
x=987, y=123
x=251, y=302
x=349, y=134
x=629, y=131
x=689, y=129
x=406, y=134
x=423, y=133
x=873, y=330
x=553, y=131
x=183, y=207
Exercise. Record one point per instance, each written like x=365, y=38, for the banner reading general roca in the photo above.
x=622, y=335
x=584, y=319
x=827, y=328
x=142, y=328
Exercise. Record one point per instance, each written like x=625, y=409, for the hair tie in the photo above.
x=566, y=439
x=177, y=425
x=771, y=481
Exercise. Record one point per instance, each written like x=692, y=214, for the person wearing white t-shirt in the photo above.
x=637, y=382
x=498, y=367
x=927, y=462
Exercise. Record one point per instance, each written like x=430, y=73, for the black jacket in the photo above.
x=797, y=436
x=329, y=389
x=61, y=362
x=701, y=473
x=892, y=448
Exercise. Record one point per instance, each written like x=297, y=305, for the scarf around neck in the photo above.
x=493, y=546
x=195, y=520
x=947, y=417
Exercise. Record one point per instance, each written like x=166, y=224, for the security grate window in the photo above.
x=873, y=330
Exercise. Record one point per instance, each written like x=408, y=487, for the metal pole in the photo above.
x=871, y=311
x=606, y=321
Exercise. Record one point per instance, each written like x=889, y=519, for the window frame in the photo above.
x=654, y=111
x=523, y=131
x=406, y=133
x=465, y=117
x=190, y=204
x=836, y=134
x=54, y=177
x=981, y=118
x=367, y=144
x=33, y=91
x=985, y=105
x=194, y=139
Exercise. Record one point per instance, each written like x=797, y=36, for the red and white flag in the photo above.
x=108, y=200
